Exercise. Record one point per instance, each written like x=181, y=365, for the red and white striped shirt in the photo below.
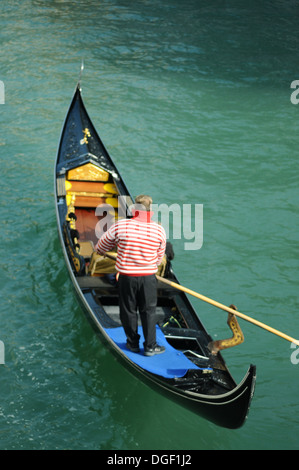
x=141, y=244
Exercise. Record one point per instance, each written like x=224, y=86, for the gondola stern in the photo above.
x=232, y=410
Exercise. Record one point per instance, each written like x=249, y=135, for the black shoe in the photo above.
x=153, y=351
x=134, y=349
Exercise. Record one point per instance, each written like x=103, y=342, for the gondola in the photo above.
x=88, y=190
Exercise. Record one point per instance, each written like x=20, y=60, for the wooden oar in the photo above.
x=221, y=306
x=228, y=309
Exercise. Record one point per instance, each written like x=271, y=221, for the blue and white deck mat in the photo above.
x=172, y=363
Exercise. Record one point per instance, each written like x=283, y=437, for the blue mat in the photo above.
x=170, y=364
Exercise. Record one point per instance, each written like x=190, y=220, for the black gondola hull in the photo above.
x=226, y=405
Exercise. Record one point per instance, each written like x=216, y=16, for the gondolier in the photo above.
x=141, y=246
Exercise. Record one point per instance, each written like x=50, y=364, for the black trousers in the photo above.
x=138, y=294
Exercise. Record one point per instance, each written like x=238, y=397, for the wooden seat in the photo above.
x=85, y=186
x=91, y=193
x=89, y=201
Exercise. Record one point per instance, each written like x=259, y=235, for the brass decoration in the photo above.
x=235, y=340
x=86, y=134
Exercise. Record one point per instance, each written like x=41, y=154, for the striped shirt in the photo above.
x=140, y=244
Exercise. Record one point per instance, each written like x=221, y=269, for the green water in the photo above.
x=192, y=100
